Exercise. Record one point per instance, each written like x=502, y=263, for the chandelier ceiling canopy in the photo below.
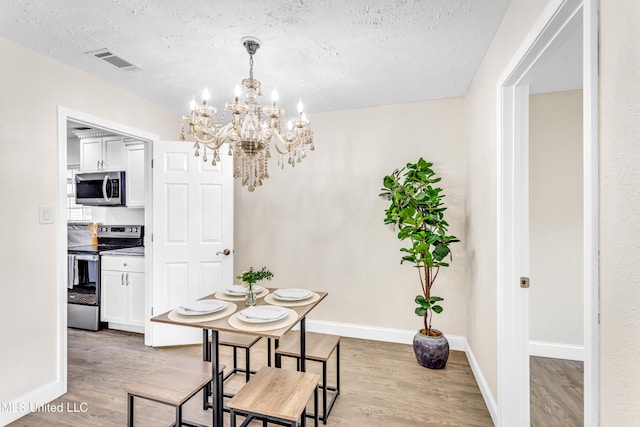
x=250, y=131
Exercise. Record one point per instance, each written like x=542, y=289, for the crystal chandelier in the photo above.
x=250, y=131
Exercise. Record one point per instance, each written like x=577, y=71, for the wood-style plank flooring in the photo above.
x=556, y=392
x=382, y=385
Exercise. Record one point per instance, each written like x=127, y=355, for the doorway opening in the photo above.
x=555, y=26
x=67, y=120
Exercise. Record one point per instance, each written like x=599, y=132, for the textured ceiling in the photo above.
x=334, y=54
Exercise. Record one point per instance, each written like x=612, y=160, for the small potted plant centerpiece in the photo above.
x=417, y=210
x=250, y=278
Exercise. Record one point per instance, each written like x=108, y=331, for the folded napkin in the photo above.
x=206, y=306
x=241, y=290
x=263, y=312
x=292, y=293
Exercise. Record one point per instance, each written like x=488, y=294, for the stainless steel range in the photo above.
x=83, y=294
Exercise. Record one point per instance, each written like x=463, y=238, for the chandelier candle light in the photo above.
x=251, y=130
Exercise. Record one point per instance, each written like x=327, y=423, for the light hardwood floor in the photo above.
x=382, y=385
x=556, y=392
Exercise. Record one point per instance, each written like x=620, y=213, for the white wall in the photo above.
x=73, y=151
x=32, y=87
x=556, y=306
x=480, y=125
x=619, y=213
x=320, y=225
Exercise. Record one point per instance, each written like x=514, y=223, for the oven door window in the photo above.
x=84, y=280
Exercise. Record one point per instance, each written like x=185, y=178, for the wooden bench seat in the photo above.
x=239, y=341
x=318, y=348
x=171, y=385
x=277, y=395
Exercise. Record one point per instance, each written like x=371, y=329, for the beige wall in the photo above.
x=320, y=225
x=480, y=195
x=556, y=305
x=619, y=212
x=32, y=88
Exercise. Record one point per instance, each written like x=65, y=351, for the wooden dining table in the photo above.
x=227, y=321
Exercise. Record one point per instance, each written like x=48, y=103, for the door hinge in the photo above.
x=151, y=163
x=151, y=237
x=524, y=282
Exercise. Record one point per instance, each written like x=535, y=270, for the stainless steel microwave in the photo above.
x=100, y=188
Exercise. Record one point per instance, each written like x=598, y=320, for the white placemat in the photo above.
x=221, y=295
x=292, y=317
x=173, y=315
x=271, y=299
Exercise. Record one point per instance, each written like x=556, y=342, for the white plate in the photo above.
x=262, y=314
x=199, y=308
x=237, y=290
x=292, y=294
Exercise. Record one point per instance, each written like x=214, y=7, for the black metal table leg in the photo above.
x=315, y=407
x=303, y=343
x=130, y=410
x=216, y=397
x=206, y=356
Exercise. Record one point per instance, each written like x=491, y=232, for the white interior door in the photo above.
x=192, y=226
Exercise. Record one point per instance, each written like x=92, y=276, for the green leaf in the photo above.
x=437, y=308
x=441, y=250
x=421, y=311
x=388, y=182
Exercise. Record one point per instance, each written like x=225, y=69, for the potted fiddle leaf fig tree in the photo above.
x=417, y=210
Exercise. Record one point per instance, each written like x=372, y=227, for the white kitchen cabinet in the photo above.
x=105, y=153
x=122, y=294
x=90, y=154
x=135, y=174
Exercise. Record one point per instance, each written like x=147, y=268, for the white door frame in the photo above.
x=65, y=114
x=512, y=181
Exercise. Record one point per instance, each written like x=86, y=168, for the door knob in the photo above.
x=225, y=252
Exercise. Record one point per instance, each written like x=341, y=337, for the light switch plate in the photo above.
x=46, y=215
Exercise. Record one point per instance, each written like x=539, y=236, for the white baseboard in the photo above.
x=492, y=406
x=400, y=336
x=30, y=402
x=556, y=350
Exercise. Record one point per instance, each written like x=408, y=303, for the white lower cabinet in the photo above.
x=122, y=295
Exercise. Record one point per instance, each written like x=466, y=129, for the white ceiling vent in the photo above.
x=107, y=56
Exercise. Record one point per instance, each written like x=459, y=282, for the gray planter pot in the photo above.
x=431, y=352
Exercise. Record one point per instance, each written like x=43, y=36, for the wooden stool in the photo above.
x=237, y=341
x=319, y=348
x=277, y=395
x=173, y=386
